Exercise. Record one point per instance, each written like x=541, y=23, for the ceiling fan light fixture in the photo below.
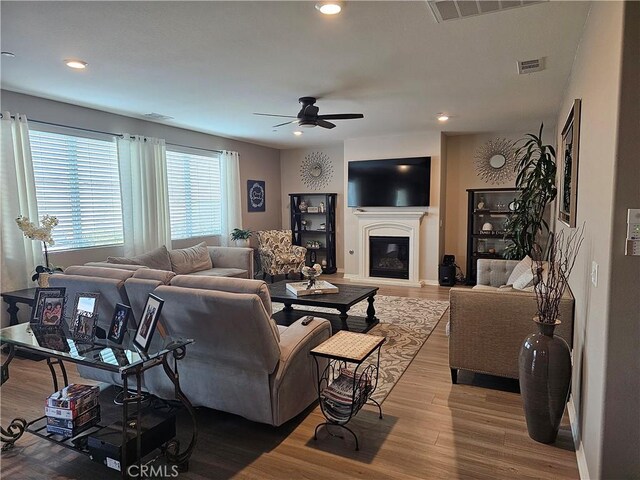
x=443, y=117
x=75, y=63
x=329, y=8
x=306, y=124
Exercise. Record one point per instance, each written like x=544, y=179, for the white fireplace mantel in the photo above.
x=391, y=223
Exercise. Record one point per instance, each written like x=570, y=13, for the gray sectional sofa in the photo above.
x=241, y=362
x=197, y=260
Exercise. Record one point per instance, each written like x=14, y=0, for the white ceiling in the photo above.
x=210, y=65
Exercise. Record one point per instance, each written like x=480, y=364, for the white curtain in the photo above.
x=20, y=255
x=145, y=193
x=231, y=196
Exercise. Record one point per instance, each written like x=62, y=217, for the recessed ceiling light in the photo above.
x=8, y=54
x=329, y=8
x=442, y=117
x=297, y=133
x=77, y=64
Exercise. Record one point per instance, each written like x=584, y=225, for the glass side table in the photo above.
x=343, y=391
x=126, y=360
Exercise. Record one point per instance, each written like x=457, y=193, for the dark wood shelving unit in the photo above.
x=495, y=211
x=327, y=236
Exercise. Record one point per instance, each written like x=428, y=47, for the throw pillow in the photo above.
x=523, y=267
x=157, y=259
x=192, y=259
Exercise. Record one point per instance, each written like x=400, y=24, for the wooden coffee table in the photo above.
x=348, y=296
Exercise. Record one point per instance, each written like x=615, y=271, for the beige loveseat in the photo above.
x=241, y=362
x=197, y=260
x=488, y=323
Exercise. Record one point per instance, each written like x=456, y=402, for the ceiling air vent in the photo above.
x=157, y=116
x=530, y=66
x=445, y=10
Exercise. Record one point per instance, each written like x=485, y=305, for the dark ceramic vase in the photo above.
x=545, y=375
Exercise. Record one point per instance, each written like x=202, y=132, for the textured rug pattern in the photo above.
x=406, y=323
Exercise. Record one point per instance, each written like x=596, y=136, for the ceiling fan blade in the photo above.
x=324, y=123
x=285, y=123
x=272, y=115
x=341, y=116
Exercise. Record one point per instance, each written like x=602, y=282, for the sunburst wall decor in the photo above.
x=316, y=170
x=495, y=161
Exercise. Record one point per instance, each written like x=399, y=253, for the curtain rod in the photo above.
x=112, y=134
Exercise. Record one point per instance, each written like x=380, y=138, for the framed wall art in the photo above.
x=569, y=157
x=256, y=201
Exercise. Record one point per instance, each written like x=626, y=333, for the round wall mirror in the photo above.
x=497, y=161
x=316, y=170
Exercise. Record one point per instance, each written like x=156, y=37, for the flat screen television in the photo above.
x=396, y=182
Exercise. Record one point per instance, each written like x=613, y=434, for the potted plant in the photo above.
x=536, y=182
x=241, y=237
x=42, y=234
x=544, y=363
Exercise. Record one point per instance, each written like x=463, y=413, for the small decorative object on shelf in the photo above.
x=313, y=210
x=41, y=234
x=304, y=224
x=303, y=206
x=487, y=227
x=323, y=226
x=481, y=203
x=321, y=207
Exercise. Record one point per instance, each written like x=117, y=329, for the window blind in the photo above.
x=195, y=195
x=77, y=180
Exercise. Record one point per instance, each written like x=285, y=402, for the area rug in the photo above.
x=406, y=323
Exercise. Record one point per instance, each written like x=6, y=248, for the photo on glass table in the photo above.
x=48, y=308
x=53, y=338
x=119, y=323
x=148, y=322
x=84, y=326
x=85, y=302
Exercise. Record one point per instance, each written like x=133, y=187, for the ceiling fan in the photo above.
x=308, y=115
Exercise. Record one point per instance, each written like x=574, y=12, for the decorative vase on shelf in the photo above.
x=544, y=368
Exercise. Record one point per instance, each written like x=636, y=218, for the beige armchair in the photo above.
x=488, y=324
x=278, y=255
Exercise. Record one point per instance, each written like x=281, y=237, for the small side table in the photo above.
x=342, y=392
x=26, y=296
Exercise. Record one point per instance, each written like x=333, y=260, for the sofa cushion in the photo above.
x=100, y=272
x=222, y=272
x=190, y=260
x=162, y=276
x=157, y=259
x=523, y=267
x=226, y=284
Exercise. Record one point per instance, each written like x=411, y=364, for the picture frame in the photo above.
x=313, y=209
x=86, y=302
x=49, y=306
x=118, y=326
x=53, y=338
x=569, y=159
x=256, y=199
x=148, y=322
x=84, y=327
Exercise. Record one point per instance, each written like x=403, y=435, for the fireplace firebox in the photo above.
x=389, y=257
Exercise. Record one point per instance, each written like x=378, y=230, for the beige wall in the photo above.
x=461, y=175
x=416, y=144
x=606, y=337
x=290, y=163
x=256, y=162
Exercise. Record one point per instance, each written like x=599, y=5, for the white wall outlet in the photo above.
x=594, y=273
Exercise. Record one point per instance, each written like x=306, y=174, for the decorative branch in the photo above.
x=551, y=278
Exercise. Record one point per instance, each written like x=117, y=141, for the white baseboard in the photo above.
x=583, y=468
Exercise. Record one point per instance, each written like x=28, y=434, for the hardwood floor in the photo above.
x=431, y=430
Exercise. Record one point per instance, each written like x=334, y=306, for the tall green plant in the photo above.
x=536, y=181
